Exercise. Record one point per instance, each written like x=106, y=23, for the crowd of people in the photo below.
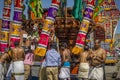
x=56, y=65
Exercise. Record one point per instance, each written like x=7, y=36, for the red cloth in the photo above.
x=44, y=39
x=18, y=3
x=6, y=12
x=56, y=2
x=3, y=46
x=81, y=38
x=12, y=40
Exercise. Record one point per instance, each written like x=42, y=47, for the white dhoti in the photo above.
x=1, y=72
x=18, y=70
x=83, y=70
x=96, y=73
x=64, y=72
x=9, y=72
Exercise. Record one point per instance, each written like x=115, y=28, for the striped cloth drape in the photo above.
x=4, y=40
x=81, y=37
x=15, y=28
x=48, y=23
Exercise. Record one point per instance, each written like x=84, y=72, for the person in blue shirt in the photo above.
x=53, y=62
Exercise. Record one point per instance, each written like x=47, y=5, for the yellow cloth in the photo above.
x=40, y=51
x=4, y=36
x=15, y=29
x=77, y=50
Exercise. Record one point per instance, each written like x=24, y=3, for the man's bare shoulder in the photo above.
x=21, y=48
x=102, y=49
x=13, y=49
x=64, y=52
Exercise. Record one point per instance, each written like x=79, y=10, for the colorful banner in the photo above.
x=4, y=40
x=48, y=23
x=110, y=28
x=15, y=29
x=80, y=41
x=17, y=16
x=6, y=24
x=108, y=15
x=18, y=4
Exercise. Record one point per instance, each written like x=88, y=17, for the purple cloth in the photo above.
x=6, y=24
x=17, y=16
x=88, y=13
x=52, y=12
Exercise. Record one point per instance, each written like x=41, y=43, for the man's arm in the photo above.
x=23, y=53
x=90, y=55
x=63, y=56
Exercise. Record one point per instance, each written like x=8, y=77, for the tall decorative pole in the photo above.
x=80, y=41
x=4, y=41
x=48, y=23
x=15, y=29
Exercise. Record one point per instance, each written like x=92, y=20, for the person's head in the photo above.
x=29, y=49
x=86, y=48
x=24, y=40
x=53, y=45
x=64, y=46
x=97, y=44
x=16, y=43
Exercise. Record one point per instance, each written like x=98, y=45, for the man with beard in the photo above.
x=98, y=56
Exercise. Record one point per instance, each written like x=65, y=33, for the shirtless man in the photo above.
x=66, y=58
x=17, y=58
x=84, y=64
x=3, y=58
x=98, y=56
